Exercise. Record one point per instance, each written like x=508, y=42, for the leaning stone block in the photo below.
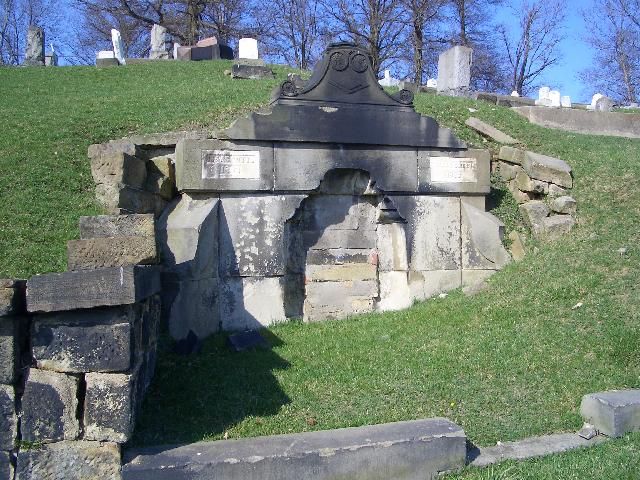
x=12, y=296
x=556, y=191
x=394, y=291
x=96, y=253
x=101, y=226
x=248, y=303
x=188, y=237
x=507, y=171
x=419, y=449
x=489, y=131
x=8, y=418
x=534, y=212
x=392, y=248
x=527, y=184
x=70, y=461
x=119, y=167
x=554, y=227
x=564, y=204
x=109, y=406
x=13, y=341
x=49, y=406
x=511, y=154
x=91, y=288
x=119, y=198
x=482, y=235
x=96, y=340
x=613, y=413
x=547, y=169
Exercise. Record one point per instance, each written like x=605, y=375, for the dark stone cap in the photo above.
x=343, y=103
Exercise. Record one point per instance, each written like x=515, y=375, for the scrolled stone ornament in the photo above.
x=359, y=63
x=288, y=89
x=339, y=61
x=405, y=96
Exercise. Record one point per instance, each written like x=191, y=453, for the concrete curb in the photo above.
x=419, y=449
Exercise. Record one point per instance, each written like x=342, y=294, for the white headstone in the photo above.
x=388, y=80
x=515, y=94
x=594, y=100
x=543, y=97
x=160, y=43
x=554, y=98
x=454, y=70
x=176, y=46
x=565, y=101
x=105, y=54
x=248, y=48
x=432, y=83
x=118, y=47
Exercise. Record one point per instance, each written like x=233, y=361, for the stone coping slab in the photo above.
x=582, y=121
x=417, y=449
x=529, y=448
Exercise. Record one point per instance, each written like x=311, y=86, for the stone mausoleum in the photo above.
x=338, y=199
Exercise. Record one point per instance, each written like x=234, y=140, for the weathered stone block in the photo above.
x=353, y=239
x=158, y=184
x=251, y=72
x=394, y=291
x=564, y=204
x=91, y=288
x=556, y=191
x=482, y=235
x=163, y=165
x=188, y=237
x=119, y=198
x=534, y=212
x=70, y=461
x=554, y=227
x=101, y=226
x=113, y=148
x=466, y=171
x=223, y=166
x=508, y=171
x=420, y=449
x=96, y=340
x=547, y=169
x=454, y=71
x=517, y=246
x=338, y=212
x=248, y=303
x=392, y=248
x=13, y=341
x=252, y=234
x=489, y=131
x=192, y=305
x=12, y=297
x=334, y=300
x=109, y=406
x=118, y=167
x=347, y=272
x=613, y=413
x=49, y=406
x=337, y=256
x=8, y=418
x=431, y=247
x=511, y=154
x=520, y=196
x=96, y=253
x=302, y=166
x=527, y=184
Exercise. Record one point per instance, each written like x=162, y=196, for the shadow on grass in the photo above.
x=200, y=396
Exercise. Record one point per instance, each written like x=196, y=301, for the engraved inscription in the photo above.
x=450, y=169
x=221, y=164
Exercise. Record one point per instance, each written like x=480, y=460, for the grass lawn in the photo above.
x=511, y=362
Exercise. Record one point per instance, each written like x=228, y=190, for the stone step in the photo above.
x=418, y=449
x=95, y=253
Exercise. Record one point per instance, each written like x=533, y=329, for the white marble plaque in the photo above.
x=220, y=164
x=450, y=169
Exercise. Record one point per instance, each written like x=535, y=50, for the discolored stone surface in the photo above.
x=554, y=227
x=564, y=204
x=8, y=418
x=482, y=235
x=49, y=406
x=614, y=413
x=526, y=184
x=511, y=154
x=118, y=167
x=534, y=212
x=13, y=342
x=101, y=226
x=91, y=288
x=109, y=406
x=249, y=303
x=252, y=72
x=70, y=461
x=117, y=198
x=339, y=299
x=391, y=247
x=192, y=306
x=547, y=169
x=96, y=340
x=96, y=253
x=394, y=291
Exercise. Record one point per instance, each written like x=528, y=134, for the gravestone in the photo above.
x=106, y=58
x=554, y=98
x=594, y=100
x=118, y=47
x=454, y=71
x=432, y=83
x=339, y=199
x=543, y=97
x=565, y=101
x=205, y=49
x=603, y=104
x=160, y=43
x=515, y=93
x=34, y=55
x=51, y=60
x=388, y=80
x=176, y=46
x=248, y=48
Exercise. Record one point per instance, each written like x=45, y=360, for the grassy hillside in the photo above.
x=511, y=362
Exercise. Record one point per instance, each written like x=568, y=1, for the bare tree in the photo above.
x=535, y=46
x=378, y=25
x=614, y=35
x=423, y=17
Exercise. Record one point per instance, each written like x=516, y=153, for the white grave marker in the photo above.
x=554, y=98
x=118, y=47
x=565, y=101
x=248, y=48
x=432, y=83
